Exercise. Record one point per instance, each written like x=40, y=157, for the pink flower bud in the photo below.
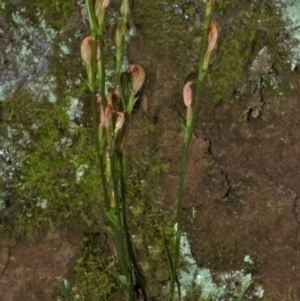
x=112, y=97
x=138, y=76
x=212, y=36
x=212, y=43
x=100, y=5
x=108, y=113
x=105, y=3
x=120, y=120
x=188, y=94
x=86, y=50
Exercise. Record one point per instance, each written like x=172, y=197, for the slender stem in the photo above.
x=93, y=26
x=102, y=74
x=190, y=129
x=137, y=271
x=120, y=197
x=91, y=13
x=119, y=59
x=122, y=250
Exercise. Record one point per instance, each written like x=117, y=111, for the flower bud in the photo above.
x=100, y=5
x=124, y=8
x=212, y=36
x=212, y=43
x=105, y=3
x=188, y=94
x=108, y=113
x=112, y=97
x=120, y=133
x=86, y=50
x=117, y=34
x=137, y=77
x=120, y=120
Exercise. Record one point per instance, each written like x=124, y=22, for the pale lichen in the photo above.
x=290, y=11
x=26, y=56
x=232, y=285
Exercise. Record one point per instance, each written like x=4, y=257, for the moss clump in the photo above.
x=237, y=190
x=245, y=29
x=212, y=168
x=95, y=278
x=49, y=152
x=53, y=163
x=150, y=224
x=55, y=12
x=172, y=37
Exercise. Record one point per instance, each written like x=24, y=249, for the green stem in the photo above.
x=120, y=235
x=92, y=84
x=190, y=130
x=131, y=102
x=119, y=59
x=137, y=271
x=91, y=13
x=102, y=74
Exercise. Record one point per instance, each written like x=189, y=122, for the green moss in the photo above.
x=51, y=148
x=247, y=28
x=150, y=229
x=150, y=224
x=50, y=153
x=211, y=168
x=95, y=278
x=55, y=12
x=163, y=26
x=237, y=189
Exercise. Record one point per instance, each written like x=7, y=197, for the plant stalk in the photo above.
x=184, y=156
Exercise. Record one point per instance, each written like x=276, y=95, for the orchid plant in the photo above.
x=111, y=113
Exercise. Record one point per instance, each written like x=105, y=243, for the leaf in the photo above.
x=108, y=229
x=85, y=218
x=88, y=84
x=112, y=217
x=184, y=128
x=124, y=280
x=185, y=132
x=65, y=289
